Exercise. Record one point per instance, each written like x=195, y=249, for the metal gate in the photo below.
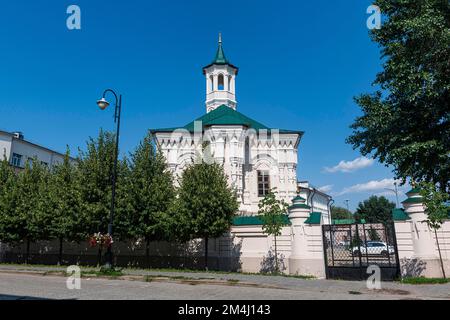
x=350, y=249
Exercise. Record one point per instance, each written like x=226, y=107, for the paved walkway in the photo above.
x=19, y=282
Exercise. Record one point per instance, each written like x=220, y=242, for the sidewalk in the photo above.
x=390, y=290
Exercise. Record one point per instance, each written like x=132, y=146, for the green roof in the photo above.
x=413, y=200
x=298, y=198
x=220, y=58
x=225, y=115
x=220, y=55
x=299, y=205
x=254, y=220
x=314, y=218
x=398, y=214
x=346, y=221
x=414, y=190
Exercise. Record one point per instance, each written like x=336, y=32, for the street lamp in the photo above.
x=103, y=104
x=394, y=191
x=346, y=202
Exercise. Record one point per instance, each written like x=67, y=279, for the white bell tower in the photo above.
x=220, y=81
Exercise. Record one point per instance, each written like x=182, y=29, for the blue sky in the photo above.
x=301, y=63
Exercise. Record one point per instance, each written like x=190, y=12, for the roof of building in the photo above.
x=399, y=214
x=414, y=190
x=413, y=200
x=314, y=218
x=13, y=135
x=225, y=115
x=220, y=58
x=299, y=206
x=298, y=198
x=254, y=220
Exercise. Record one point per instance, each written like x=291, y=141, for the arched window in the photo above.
x=221, y=82
x=211, y=80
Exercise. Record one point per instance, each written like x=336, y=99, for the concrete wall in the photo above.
x=415, y=263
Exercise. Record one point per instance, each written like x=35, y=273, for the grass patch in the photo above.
x=233, y=281
x=102, y=273
x=93, y=271
x=423, y=280
x=354, y=292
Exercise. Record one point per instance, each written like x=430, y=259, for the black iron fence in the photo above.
x=349, y=249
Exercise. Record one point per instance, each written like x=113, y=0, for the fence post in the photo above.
x=303, y=261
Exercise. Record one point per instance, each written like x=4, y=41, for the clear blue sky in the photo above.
x=301, y=63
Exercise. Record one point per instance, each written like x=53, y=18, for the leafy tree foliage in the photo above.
x=340, y=213
x=405, y=122
x=375, y=210
x=151, y=192
x=11, y=226
x=273, y=211
x=205, y=205
x=96, y=169
x=32, y=213
x=65, y=204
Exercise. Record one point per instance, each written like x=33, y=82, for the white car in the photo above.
x=373, y=248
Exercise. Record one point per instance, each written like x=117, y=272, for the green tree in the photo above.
x=65, y=202
x=437, y=209
x=9, y=221
x=96, y=166
x=33, y=215
x=152, y=193
x=338, y=213
x=405, y=122
x=375, y=210
x=205, y=205
x=273, y=213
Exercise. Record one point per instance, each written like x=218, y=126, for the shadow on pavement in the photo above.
x=13, y=297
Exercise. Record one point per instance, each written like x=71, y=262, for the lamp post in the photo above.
x=346, y=202
x=394, y=191
x=103, y=104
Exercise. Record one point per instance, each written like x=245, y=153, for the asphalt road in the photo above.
x=18, y=286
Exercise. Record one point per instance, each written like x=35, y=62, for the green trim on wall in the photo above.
x=299, y=205
x=413, y=200
x=399, y=214
x=314, y=218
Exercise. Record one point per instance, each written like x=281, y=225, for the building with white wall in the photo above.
x=318, y=200
x=18, y=151
x=256, y=157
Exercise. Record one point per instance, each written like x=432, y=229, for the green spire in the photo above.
x=220, y=55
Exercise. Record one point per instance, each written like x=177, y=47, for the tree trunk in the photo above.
x=60, y=251
x=147, y=252
x=206, y=253
x=440, y=255
x=99, y=256
x=276, y=255
x=27, y=255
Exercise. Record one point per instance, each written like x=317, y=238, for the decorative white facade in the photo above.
x=255, y=157
x=220, y=82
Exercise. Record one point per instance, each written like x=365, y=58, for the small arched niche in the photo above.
x=220, y=82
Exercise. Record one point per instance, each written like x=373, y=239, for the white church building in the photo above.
x=256, y=157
